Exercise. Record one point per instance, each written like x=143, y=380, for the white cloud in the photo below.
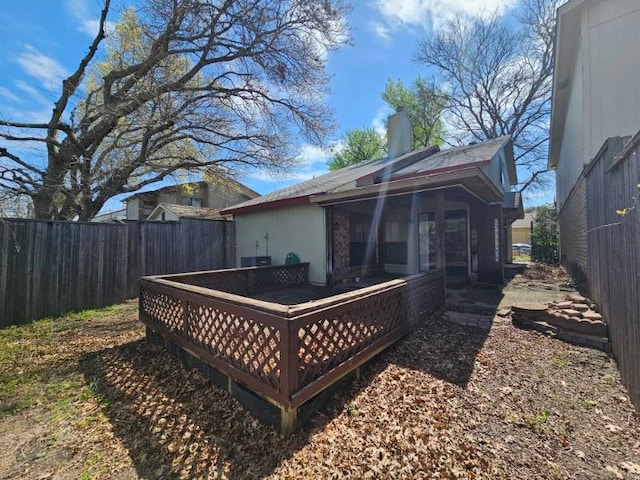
x=378, y=122
x=312, y=162
x=88, y=22
x=34, y=93
x=310, y=154
x=381, y=31
x=90, y=27
x=420, y=13
x=45, y=69
x=8, y=95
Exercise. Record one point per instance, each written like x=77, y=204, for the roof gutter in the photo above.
x=283, y=202
x=411, y=185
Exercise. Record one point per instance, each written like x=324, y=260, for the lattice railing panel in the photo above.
x=329, y=341
x=281, y=276
x=164, y=309
x=232, y=281
x=424, y=296
x=244, y=343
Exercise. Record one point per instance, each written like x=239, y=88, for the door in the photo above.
x=456, y=243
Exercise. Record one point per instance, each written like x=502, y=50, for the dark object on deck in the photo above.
x=263, y=261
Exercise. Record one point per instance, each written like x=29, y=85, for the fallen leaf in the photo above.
x=631, y=467
x=615, y=471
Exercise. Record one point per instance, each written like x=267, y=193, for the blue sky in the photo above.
x=42, y=41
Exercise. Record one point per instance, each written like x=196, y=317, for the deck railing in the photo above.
x=286, y=353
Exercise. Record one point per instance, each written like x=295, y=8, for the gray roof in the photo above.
x=336, y=181
x=512, y=200
x=416, y=162
x=454, y=157
x=185, y=211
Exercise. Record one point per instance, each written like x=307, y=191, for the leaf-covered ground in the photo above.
x=87, y=397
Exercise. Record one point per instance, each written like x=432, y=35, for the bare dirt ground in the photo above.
x=87, y=397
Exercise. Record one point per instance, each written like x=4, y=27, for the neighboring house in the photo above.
x=114, y=216
x=594, y=149
x=415, y=211
x=521, y=229
x=596, y=95
x=196, y=194
x=172, y=212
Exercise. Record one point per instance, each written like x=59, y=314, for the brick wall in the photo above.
x=341, y=245
x=572, y=220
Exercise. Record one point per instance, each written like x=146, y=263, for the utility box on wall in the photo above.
x=263, y=261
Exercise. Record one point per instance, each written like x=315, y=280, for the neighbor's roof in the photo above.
x=427, y=161
x=230, y=183
x=187, y=211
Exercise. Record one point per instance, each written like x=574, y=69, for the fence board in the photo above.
x=50, y=268
x=613, y=244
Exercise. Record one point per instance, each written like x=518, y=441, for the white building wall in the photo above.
x=572, y=150
x=300, y=229
x=133, y=209
x=605, y=96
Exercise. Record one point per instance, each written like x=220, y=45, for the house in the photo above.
x=199, y=195
x=596, y=95
x=594, y=150
x=521, y=229
x=417, y=210
x=113, y=216
x=172, y=213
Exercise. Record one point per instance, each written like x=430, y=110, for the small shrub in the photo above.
x=544, y=237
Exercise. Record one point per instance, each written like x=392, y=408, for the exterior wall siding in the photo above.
x=521, y=235
x=605, y=95
x=300, y=229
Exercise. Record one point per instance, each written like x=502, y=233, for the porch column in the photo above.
x=440, y=230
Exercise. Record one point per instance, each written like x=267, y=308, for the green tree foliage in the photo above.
x=424, y=103
x=180, y=85
x=544, y=237
x=358, y=145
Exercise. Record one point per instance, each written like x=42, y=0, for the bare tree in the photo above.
x=180, y=85
x=497, y=71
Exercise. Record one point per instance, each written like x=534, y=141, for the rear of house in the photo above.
x=415, y=211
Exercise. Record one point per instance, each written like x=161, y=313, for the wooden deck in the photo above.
x=280, y=337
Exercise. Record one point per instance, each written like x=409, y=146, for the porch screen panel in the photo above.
x=395, y=240
x=427, y=236
x=363, y=242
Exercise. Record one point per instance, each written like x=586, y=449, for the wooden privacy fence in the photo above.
x=612, y=183
x=286, y=353
x=48, y=268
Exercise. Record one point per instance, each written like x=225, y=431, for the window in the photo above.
x=395, y=239
x=191, y=201
x=362, y=247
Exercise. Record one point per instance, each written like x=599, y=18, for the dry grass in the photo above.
x=86, y=397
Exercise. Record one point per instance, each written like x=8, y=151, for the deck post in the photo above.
x=288, y=420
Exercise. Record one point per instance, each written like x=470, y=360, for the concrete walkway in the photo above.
x=478, y=305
